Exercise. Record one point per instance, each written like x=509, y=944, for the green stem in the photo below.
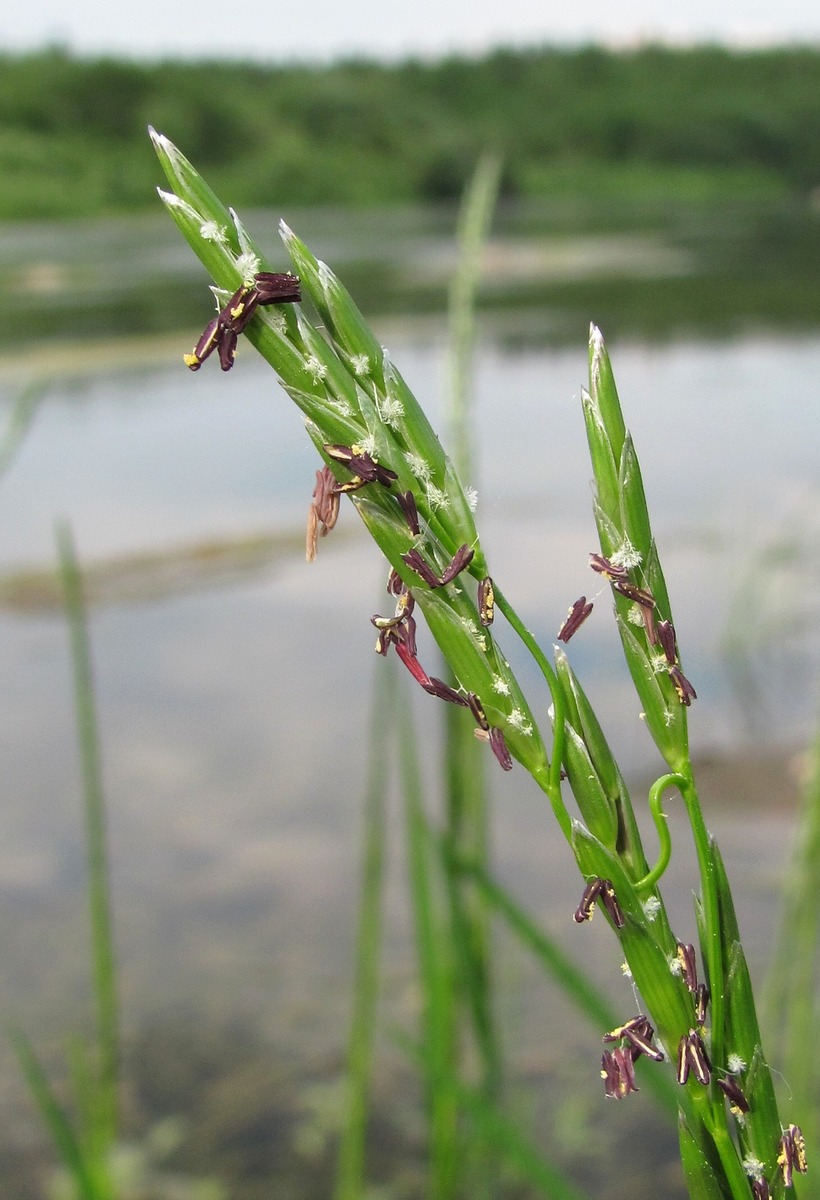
x=102, y=937
x=550, y=780
x=664, y=838
x=350, y=1171
x=711, y=913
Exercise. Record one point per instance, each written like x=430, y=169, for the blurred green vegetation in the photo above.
x=696, y=125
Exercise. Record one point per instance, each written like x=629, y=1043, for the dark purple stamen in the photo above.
x=575, y=619
x=638, y=1032
x=498, y=745
x=486, y=601
x=692, y=1056
x=600, y=889
x=424, y=571
x=606, y=568
x=362, y=465
x=586, y=909
x=633, y=592
x=686, y=693
x=737, y=1101
x=461, y=559
x=273, y=287
x=792, y=1153
x=407, y=501
x=688, y=963
x=701, y=1003
x=610, y=903
x=222, y=333
x=477, y=709
x=666, y=637
x=618, y=1073
x=437, y=687
x=398, y=629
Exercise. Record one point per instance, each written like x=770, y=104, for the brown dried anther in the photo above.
x=323, y=512
x=760, y=1189
x=600, y=889
x=692, y=1056
x=792, y=1153
x=222, y=333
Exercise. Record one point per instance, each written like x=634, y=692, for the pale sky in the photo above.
x=319, y=29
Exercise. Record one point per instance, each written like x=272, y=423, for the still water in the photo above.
x=234, y=701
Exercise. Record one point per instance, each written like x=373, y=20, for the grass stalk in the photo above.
x=351, y=1162
x=467, y=801
x=437, y=975
x=104, y=967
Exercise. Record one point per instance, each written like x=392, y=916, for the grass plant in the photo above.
x=697, y=1022
x=792, y=998
x=86, y=1133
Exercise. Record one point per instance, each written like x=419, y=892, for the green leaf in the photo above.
x=701, y=1180
x=59, y=1127
x=665, y=716
x=604, y=392
x=596, y=807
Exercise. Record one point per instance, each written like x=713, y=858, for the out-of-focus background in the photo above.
x=660, y=176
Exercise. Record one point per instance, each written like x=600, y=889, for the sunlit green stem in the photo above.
x=549, y=781
x=664, y=839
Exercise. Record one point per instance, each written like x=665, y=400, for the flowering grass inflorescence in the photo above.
x=378, y=448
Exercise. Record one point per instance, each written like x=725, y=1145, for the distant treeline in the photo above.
x=72, y=133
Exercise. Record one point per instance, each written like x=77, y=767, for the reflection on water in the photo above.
x=642, y=272
x=233, y=715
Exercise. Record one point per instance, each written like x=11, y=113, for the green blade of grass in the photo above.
x=54, y=1118
x=475, y=217
x=437, y=975
x=464, y=769
x=20, y=419
x=102, y=941
x=350, y=1170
